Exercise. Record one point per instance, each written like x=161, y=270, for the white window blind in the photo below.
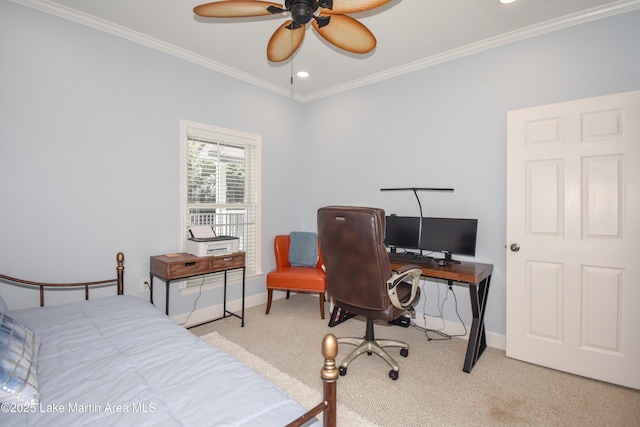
x=220, y=189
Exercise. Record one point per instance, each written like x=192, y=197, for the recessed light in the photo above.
x=507, y=1
x=302, y=74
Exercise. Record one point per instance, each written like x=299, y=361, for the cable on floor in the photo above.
x=443, y=335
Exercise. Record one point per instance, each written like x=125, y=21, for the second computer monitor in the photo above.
x=449, y=236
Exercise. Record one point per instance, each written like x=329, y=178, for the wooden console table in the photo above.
x=183, y=266
x=477, y=277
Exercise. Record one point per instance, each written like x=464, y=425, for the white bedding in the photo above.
x=119, y=361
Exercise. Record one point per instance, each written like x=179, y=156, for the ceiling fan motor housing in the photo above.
x=302, y=11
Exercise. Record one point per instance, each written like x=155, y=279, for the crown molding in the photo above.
x=610, y=9
x=501, y=40
x=145, y=40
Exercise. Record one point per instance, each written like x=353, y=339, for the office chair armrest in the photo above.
x=406, y=271
x=404, y=268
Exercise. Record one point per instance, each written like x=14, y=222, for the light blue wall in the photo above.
x=445, y=126
x=89, y=142
x=89, y=154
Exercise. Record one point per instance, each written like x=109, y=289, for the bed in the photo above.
x=117, y=360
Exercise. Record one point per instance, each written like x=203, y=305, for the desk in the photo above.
x=183, y=266
x=477, y=277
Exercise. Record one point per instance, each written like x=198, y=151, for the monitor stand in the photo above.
x=442, y=262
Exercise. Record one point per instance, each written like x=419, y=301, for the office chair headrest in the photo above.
x=345, y=211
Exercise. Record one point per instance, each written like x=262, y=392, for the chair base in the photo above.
x=370, y=345
x=375, y=346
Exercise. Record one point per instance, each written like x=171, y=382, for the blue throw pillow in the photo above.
x=303, y=249
x=19, y=348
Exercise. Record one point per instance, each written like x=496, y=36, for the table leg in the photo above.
x=477, y=338
x=151, y=288
x=224, y=297
x=243, y=278
x=338, y=316
x=166, y=307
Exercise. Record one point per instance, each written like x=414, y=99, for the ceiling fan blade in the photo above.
x=285, y=41
x=353, y=6
x=347, y=33
x=237, y=9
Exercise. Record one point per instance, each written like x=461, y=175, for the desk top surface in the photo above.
x=183, y=256
x=467, y=272
x=177, y=257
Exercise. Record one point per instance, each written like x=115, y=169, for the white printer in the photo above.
x=204, y=242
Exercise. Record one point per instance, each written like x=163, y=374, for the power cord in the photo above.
x=443, y=336
x=194, y=303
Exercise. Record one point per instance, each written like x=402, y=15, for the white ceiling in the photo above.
x=411, y=34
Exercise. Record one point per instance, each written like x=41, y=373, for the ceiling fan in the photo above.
x=328, y=18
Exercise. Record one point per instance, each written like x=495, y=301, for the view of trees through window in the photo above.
x=216, y=173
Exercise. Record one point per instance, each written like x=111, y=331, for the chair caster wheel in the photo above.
x=393, y=374
x=342, y=371
x=404, y=352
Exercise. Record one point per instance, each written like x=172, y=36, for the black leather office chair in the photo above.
x=359, y=277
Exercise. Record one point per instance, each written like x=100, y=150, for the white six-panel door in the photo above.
x=573, y=230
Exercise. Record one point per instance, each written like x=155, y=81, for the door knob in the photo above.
x=514, y=247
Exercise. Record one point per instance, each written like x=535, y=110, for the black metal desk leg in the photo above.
x=151, y=288
x=166, y=309
x=224, y=296
x=477, y=338
x=243, y=278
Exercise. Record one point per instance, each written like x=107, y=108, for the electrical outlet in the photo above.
x=144, y=284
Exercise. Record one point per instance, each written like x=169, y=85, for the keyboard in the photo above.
x=410, y=257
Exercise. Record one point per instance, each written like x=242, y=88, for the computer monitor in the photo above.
x=402, y=232
x=449, y=236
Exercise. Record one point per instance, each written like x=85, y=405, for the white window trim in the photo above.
x=232, y=134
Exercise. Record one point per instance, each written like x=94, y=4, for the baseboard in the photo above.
x=496, y=340
x=206, y=314
x=454, y=328
x=202, y=315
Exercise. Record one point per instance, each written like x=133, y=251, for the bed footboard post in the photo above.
x=329, y=374
x=120, y=269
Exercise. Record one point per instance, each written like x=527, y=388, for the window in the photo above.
x=219, y=188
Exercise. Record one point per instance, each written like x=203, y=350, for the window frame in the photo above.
x=187, y=130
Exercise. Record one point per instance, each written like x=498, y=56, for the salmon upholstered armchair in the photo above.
x=287, y=277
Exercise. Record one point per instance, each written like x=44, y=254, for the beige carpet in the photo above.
x=304, y=394
x=432, y=389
